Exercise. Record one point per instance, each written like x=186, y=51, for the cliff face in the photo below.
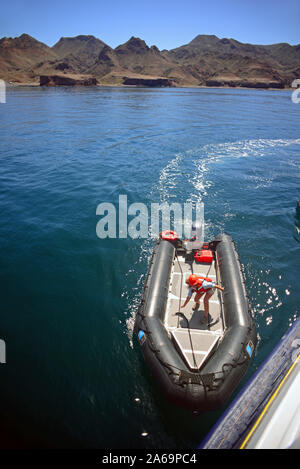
x=60, y=80
x=206, y=60
x=152, y=82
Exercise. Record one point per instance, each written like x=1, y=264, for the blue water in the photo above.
x=74, y=375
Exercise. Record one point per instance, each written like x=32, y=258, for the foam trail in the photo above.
x=164, y=190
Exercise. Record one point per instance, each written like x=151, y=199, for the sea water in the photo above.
x=74, y=374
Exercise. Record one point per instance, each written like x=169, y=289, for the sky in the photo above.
x=164, y=23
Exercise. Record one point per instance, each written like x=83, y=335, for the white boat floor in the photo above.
x=193, y=334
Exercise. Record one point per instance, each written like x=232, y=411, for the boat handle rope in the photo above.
x=181, y=278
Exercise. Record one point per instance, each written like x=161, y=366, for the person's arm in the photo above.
x=219, y=287
x=186, y=301
x=189, y=296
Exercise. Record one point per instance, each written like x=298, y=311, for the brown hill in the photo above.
x=137, y=58
x=206, y=60
x=106, y=63
x=85, y=48
x=19, y=56
x=211, y=58
x=73, y=55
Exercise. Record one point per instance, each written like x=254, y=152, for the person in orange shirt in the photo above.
x=200, y=286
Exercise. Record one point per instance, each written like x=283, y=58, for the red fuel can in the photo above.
x=204, y=255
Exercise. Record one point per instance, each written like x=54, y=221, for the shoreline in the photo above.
x=113, y=85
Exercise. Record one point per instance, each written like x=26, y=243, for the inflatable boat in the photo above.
x=197, y=363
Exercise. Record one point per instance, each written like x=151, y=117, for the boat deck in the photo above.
x=195, y=337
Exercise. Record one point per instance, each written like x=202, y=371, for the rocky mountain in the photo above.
x=85, y=48
x=230, y=61
x=205, y=61
x=20, y=56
